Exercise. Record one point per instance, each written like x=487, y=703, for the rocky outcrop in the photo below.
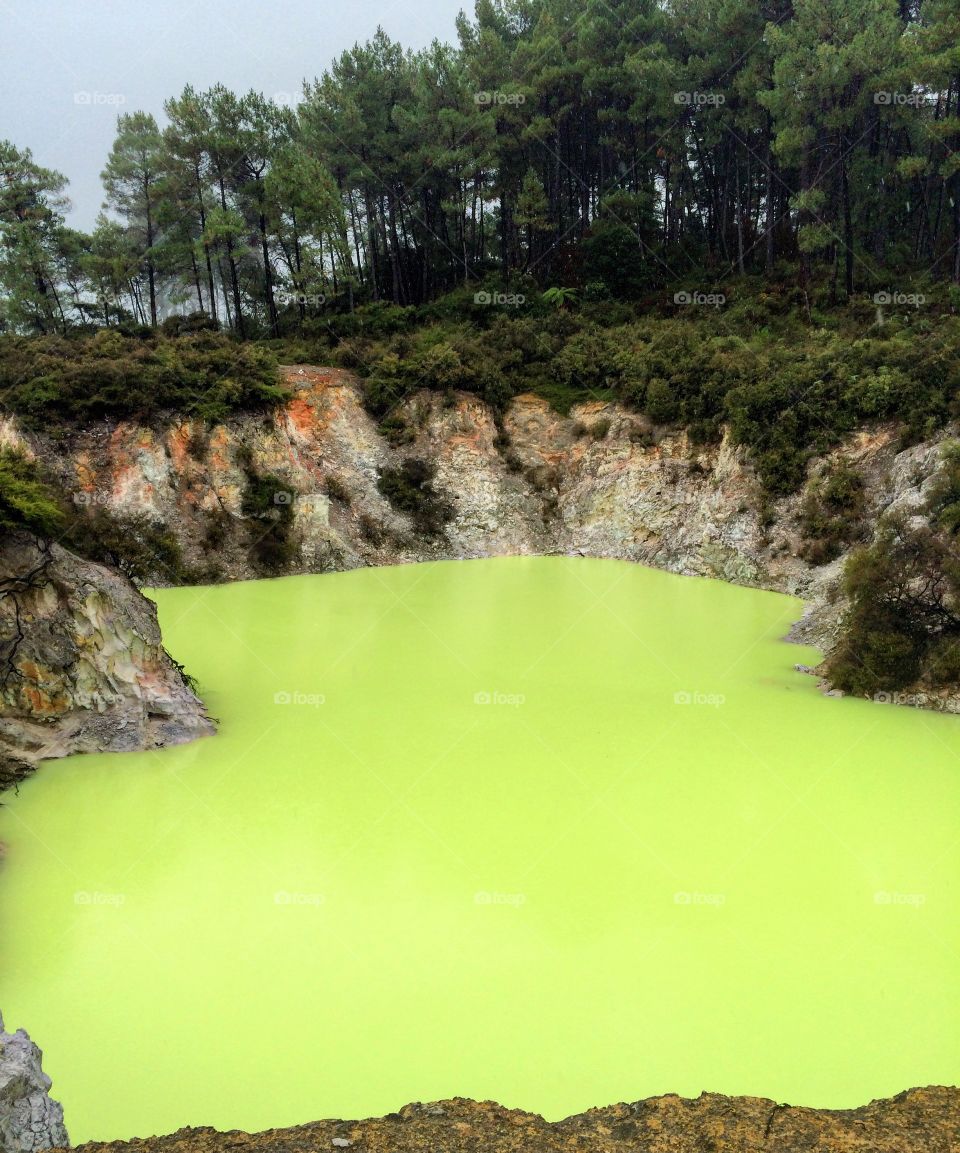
x=29, y=1120
x=82, y=667
x=921, y=1119
x=599, y=482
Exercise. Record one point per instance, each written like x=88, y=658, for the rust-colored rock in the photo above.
x=917, y=1121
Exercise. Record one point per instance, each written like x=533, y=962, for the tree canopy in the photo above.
x=620, y=144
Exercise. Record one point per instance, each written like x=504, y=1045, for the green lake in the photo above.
x=558, y=832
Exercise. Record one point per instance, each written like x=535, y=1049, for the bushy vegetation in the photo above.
x=27, y=500
x=409, y=489
x=903, y=625
x=832, y=513
x=268, y=504
x=52, y=380
x=32, y=501
x=142, y=549
x=789, y=385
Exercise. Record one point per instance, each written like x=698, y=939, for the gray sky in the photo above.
x=68, y=67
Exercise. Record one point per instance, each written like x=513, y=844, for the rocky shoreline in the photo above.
x=923, y=1119
x=926, y=1120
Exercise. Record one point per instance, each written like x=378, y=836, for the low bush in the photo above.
x=141, y=548
x=268, y=505
x=409, y=489
x=28, y=501
x=832, y=513
x=48, y=380
x=903, y=624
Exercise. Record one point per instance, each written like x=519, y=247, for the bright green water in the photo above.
x=398, y=894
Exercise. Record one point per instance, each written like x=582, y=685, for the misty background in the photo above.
x=68, y=68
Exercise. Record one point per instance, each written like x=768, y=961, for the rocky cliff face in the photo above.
x=29, y=1120
x=600, y=482
x=921, y=1119
x=82, y=667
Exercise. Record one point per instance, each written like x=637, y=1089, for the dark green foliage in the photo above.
x=904, y=590
x=832, y=513
x=943, y=502
x=268, y=505
x=371, y=530
x=204, y=375
x=788, y=393
x=409, y=489
x=27, y=500
x=198, y=443
x=337, y=490
x=624, y=145
x=142, y=549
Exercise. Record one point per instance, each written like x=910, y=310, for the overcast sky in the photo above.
x=67, y=67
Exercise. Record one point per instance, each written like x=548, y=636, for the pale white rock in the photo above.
x=29, y=1119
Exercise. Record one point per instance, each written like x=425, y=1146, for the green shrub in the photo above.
x=141, y=548
x=832, y=513
x=27, y=500
x=904, y=615
x=409, y=489
x=268, y=503
x=49, y=380
x=337, y=490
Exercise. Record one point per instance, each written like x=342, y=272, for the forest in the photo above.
x=616, y=148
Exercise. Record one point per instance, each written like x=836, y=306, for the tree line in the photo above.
x=615, y=146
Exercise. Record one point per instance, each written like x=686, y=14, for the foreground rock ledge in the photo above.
x=29, y=1120
x=917, y=1121
x=82, y=664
